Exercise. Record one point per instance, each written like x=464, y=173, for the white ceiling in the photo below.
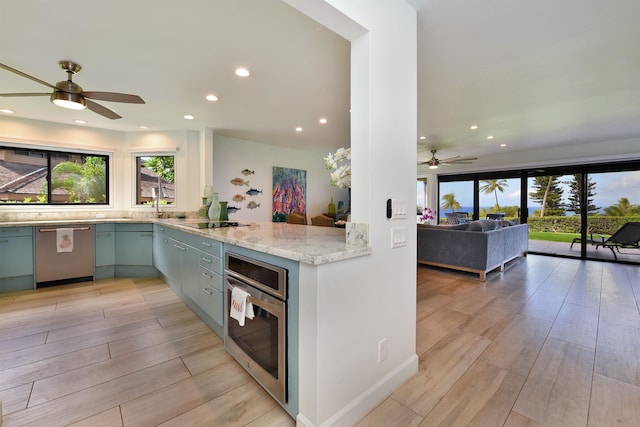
x=534, y=74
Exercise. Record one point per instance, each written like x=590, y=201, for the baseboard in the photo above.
x=369, y=399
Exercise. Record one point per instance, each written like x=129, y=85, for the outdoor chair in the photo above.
x=496, y=216
x=627, y=237
x=452, y=218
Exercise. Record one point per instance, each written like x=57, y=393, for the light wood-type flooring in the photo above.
x=548, y=342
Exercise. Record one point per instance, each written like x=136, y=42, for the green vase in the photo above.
x=224, y=215
x=214, y=209
x=202, y=212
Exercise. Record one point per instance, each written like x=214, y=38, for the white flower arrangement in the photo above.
x=341, y=175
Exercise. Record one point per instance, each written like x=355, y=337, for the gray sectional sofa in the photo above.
x=478, y=247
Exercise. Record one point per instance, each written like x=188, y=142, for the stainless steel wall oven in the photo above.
x=261, y=344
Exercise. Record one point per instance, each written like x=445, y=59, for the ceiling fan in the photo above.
x=434, y=162
x=68, y=94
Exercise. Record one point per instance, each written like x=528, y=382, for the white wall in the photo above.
x=196, y=154
x=231, y=156
x=362, y=301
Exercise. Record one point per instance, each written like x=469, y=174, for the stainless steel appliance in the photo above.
x=53, y=267
x=261, y=344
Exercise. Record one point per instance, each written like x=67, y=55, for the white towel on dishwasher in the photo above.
x=240, y=308
x=64, y=239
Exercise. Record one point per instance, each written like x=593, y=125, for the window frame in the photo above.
x=48, y=155
x=134, y=178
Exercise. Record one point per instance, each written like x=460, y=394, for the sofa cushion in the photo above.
x=484, y=225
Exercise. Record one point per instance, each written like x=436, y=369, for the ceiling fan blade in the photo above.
x=20, y=73
x=467, y=159
x=103, y=111
x=450, y=159
x=114, y=97
x=25, y=94
x=456, y=163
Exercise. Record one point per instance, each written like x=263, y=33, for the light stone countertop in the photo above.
x=303, y=243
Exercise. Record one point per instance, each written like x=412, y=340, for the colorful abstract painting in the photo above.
x=289, y=192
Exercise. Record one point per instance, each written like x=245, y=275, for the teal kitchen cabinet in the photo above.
x=192, y=266
x=134, y=250
x=105, y=255
x=16, y=259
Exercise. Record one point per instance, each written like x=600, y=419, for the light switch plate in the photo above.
x=398, y=237
x=399, y=209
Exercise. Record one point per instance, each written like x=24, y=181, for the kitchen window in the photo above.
x=46, y=177
x=155, y=179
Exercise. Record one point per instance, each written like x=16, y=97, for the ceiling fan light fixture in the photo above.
x=433, y=166
x=72, y=101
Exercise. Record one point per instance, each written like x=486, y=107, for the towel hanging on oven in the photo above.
x=240, y=308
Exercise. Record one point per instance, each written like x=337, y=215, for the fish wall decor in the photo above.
x=232, y=209
x=239, y=181
x=253, y=192
x=238, y=198
x=247, y=172
x=253, y=205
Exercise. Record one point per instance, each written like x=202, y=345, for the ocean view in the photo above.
x=470, y=210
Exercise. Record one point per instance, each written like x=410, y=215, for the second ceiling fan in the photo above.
x=434, y=162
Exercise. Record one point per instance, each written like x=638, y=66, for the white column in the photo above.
x=358, y=303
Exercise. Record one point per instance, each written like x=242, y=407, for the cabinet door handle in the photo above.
x=209, y=260
x=207, y=276
x=180, y=247
x=207, y=244
x=207, y=291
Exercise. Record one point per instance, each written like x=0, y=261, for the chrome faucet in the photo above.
x=157, y=200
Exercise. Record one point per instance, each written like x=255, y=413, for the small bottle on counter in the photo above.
x=332, y=207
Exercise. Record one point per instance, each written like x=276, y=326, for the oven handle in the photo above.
x=269, y=306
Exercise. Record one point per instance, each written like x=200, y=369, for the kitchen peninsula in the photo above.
x=312, y=255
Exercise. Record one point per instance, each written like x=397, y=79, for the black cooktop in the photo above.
x=217, y=224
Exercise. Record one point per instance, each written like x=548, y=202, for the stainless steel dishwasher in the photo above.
x=60, y=262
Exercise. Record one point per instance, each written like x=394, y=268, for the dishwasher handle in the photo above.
x=47, y=230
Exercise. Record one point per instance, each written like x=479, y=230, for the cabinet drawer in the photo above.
x=105, y=228
x=134, y=227
x=210, y=246
x=211, y=279
x=211, y=262
x=16, y=231
x=211, y=302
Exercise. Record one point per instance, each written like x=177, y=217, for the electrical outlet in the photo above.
x=382, y=350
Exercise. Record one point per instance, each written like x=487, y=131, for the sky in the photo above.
x=610, y=187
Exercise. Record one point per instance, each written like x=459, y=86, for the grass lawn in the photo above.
x=553, y=237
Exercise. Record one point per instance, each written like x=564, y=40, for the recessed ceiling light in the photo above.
x=212, y=97
x=423, y=137
x=145, y=127
x=80, y=122
x=490, y=137
x=323, y=121
x=298, y=129
x=6, y=111
x=473, y=127
x=242, y=72
x=189, y=117
x=503, y=145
